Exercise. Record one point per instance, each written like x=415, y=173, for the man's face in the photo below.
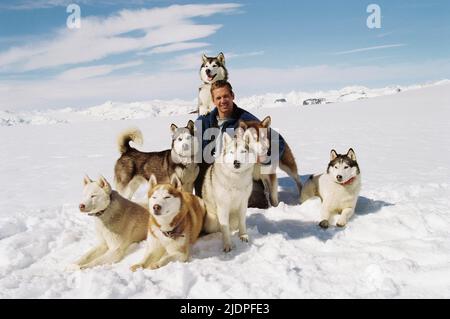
x=224, y=100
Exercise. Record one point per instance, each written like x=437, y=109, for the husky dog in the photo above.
x=262, y=142
x=227, y=187
x=176, y=219
x=212, y=70
x=119, y=223
x=135, y=167
x=338, y=188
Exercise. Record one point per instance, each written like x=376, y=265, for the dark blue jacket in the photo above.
x=210, y=120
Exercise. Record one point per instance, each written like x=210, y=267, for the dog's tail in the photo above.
x=131, y=134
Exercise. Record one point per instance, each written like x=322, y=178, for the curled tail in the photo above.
x=124, y=138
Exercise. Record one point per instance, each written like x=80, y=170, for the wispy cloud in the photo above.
x=385, y=34
x=100, y=38
x=95, y=71
x=232, y=55
x=174, y=47
x=193, y=60
x=45, y=4
x=379, y=47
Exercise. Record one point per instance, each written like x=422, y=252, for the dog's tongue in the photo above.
x=210, y=78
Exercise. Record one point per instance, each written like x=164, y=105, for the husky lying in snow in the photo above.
x=134, y=167
x=119, y=223
x=212, y=69
x=338, y=188
x=227, y=187
x=176, y=219
x=261, y=135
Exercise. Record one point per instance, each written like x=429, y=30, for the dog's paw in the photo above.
x=227, y=248
x=72, y=267
x=136, y=267
x=244, y=238
x=324, y=224
x=341, y=224
x=154, y=266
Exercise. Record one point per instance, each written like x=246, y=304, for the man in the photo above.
x=226, y=115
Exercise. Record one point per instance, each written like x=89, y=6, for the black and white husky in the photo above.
x=338, y=188
x=213, y=69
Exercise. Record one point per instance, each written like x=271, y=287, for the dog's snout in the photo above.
x=236, y=164
x=339, y=177
x=208, y=71
x=82, y=207
x=157, y=209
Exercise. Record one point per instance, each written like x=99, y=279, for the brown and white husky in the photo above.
x=176, y=220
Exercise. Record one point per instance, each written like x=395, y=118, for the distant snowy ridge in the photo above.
x=146, y=109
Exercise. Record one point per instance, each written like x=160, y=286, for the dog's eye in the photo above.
x=336, y=167
x=180, y=139
x=243, y=151
x=167, y=197
x=345, y=167
x=92, y=196
x=214, y=66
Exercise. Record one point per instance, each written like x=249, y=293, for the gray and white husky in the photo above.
x=212, y=69
x=338, y=188
x=227, y=187
x=134, y=167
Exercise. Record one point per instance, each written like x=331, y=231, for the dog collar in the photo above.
x=174, y=233
x=98, y=214
x=351, y=180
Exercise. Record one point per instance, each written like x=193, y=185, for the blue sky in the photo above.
x=270, y=46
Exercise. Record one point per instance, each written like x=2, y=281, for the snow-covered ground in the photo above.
x=397, y=245
x=147, y=109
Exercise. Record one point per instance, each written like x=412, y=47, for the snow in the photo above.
x=111, y=110
x=396, y=246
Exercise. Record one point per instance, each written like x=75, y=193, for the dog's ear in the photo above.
x=190, y=126
x=173, y=128
x=152, y=182
x=86, y=180
x=103, y=183
x=266, y=122
x=204, y=58
x=248, y=137
x=221, y=58
x=175, y=181
x=226, y=139
x=333, y=155
x=243, y=125
x=351, y=154
x=241, y=129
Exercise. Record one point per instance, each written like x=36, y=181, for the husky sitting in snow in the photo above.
x=119, y=223
x=176, y=219
x=227, y=187
x=212, y=69
x=261, y=135
x=134, y=167
x=338, y=188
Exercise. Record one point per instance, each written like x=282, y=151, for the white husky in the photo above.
x=338, y=188
x=227, y=187
x=119, y=223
